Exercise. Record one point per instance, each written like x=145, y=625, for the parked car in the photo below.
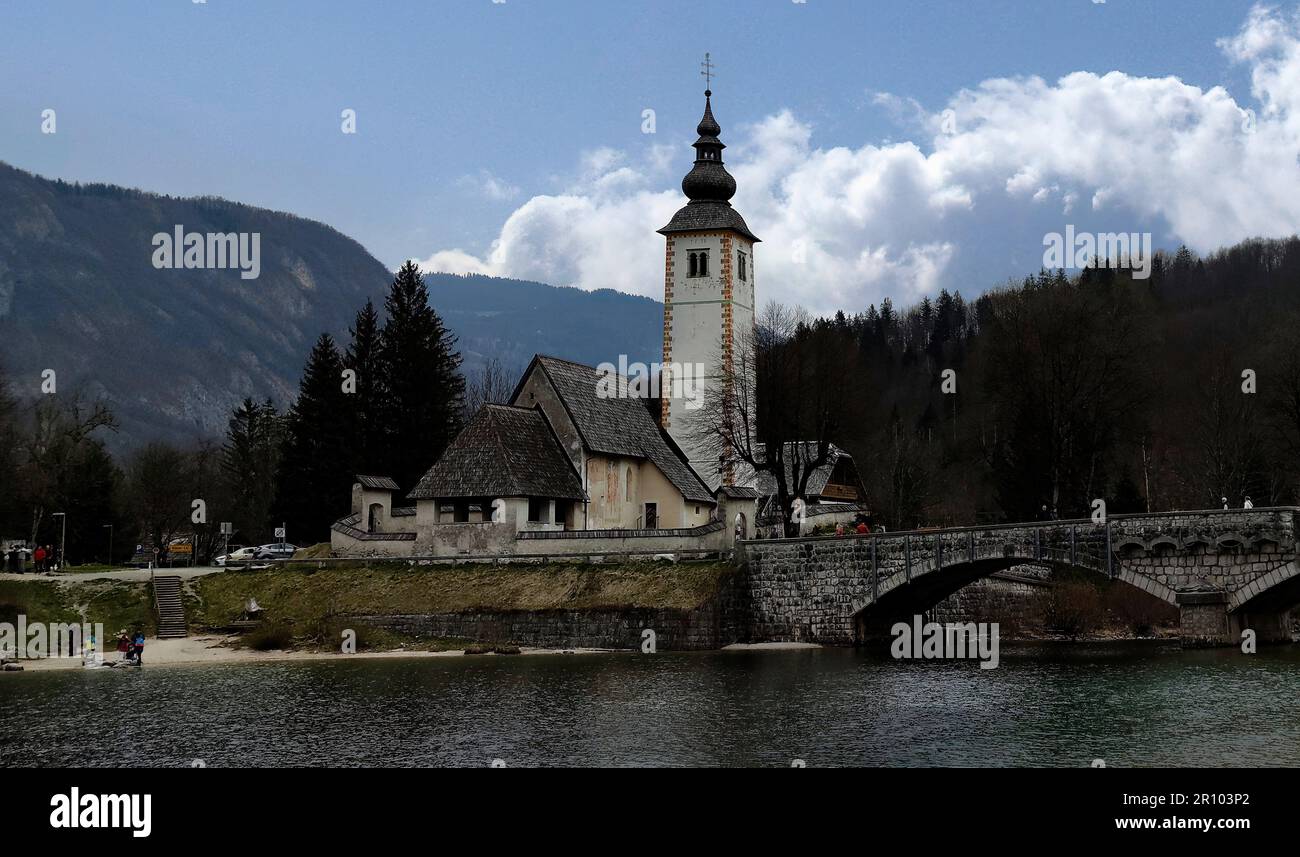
x=236, y=556
x=278, y=550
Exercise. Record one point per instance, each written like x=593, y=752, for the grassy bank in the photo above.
x=117, y=605
x=307, y=595
x=307, y=606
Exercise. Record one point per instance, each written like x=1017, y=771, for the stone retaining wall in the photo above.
x=675, y=630
x=718, y=622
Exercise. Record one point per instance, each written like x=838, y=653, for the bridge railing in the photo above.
x=979, y=528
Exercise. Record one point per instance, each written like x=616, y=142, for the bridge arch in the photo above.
x=901, y=595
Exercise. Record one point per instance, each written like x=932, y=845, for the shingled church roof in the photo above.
x=505, y=451
x=617, y=426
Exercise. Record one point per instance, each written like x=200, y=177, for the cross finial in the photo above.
x=706, y=69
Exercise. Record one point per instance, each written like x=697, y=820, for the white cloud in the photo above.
x=846, y=226
x=490, y=186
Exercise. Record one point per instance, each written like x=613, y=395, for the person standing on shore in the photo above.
x=139, y=648
x=39, y=559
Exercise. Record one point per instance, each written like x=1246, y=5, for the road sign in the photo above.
x=279, y=532
x=182, y=548
x=227, y=528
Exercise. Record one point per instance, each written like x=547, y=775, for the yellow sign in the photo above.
x=180, y=549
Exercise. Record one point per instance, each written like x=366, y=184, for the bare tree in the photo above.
x=57, y=433
x=491, y=386
x=784, y=391
x=901, y=478
x=159, y=490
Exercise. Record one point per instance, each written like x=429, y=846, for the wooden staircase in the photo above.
x=171, y=610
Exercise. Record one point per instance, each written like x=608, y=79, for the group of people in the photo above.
x=131, y=647
x=45, y=558
x=861, y=529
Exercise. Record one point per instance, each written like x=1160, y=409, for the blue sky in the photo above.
x=474, y=118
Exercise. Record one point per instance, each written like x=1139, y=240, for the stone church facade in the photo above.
x=565, y=468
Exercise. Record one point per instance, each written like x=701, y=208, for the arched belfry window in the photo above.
x=699, y=263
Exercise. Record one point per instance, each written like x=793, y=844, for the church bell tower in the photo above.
x=708, y=292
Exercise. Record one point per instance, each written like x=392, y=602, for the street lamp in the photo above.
x=109, y=527
x=63, y=539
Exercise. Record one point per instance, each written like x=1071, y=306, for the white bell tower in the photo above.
x=708, y=289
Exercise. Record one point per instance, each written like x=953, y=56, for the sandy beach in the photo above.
x=219, y=649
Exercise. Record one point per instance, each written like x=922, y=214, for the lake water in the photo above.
x=1046, y=705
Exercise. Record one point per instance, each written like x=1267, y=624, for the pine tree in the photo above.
x=365, y=428
x=250, y=460
x=423, y=387
x=315, y=461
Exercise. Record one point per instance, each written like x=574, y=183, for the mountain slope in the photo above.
x=514, y=319
x=173, y=350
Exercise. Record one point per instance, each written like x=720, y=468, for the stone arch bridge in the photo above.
x=1226, y=571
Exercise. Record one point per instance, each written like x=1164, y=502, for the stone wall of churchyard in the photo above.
x=492, y=540
x=344, y=544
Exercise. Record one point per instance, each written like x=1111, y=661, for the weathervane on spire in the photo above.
x=706, y=69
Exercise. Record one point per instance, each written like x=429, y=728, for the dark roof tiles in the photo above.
x=706, y=215
x=505, y=451
x=380, y=483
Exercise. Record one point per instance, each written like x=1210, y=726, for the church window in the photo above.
x=627, y=484
x=699, y=264
x=744, y=273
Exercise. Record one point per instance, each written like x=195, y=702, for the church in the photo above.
x=566, y=467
